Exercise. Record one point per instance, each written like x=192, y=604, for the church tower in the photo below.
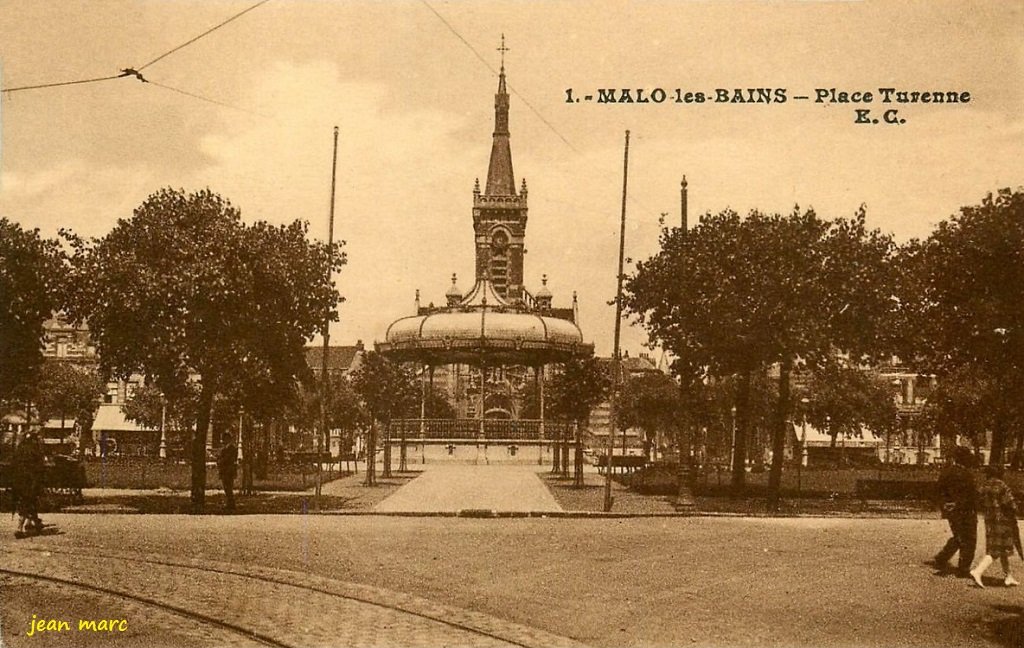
x=499, y=213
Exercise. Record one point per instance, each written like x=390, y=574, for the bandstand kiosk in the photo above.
x=488, y=342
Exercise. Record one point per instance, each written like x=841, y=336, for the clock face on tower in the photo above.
x=499, y=242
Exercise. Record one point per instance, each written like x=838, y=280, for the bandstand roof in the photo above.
x=484, y=328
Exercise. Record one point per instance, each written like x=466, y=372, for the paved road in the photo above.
x=644, y=582
x=453, y=487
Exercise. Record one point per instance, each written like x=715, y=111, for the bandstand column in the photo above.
x=540, y=445
x=423, y=401
x=480, y=414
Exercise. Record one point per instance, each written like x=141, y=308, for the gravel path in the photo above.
x=453, y=487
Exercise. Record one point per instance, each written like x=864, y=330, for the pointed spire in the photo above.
x=500, y=177
x=454, y=295
x=543, y=295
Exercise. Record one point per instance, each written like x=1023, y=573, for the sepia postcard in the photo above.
x=527, y=424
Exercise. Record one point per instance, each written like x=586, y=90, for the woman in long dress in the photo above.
x=1000, y=512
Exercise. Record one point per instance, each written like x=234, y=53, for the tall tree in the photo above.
x=578, y=387
x=845, y=401
x=65, y=390
x=387, y=389
x=964, y=289
x=965, y=405
x=345, y=409
x=184, y=288
x=31, y=270
x=653, y=403
x=740, y=294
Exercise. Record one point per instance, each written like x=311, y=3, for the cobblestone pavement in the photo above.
x=186, y=602
x=453, y=487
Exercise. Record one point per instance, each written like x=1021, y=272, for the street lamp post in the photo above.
x=163, y=428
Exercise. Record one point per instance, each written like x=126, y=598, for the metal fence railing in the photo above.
x=470, y=429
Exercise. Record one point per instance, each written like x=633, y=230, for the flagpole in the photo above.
x=326, y=335
x=616, y=368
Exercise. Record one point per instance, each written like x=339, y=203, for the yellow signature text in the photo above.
x=39, y=626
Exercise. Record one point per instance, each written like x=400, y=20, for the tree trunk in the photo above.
x=577, y=481
x=403, y=451
x=248, y=458
x=199, y=448
x=264, y=449
x=371, y=455
x=739, y=459
x=556, y=456
x=998, y=440
x=684, y=472
x=565, y=454
x=779, y=434
x=387, y=451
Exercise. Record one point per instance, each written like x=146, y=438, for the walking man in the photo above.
x=27, y=483
x=959, y=506
x=227, y=465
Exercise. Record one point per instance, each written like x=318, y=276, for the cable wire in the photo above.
x=206, y=99
x=61, y=83
x=516, y=93
x=493, y=71
x=205, y=33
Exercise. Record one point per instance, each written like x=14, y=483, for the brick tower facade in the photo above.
x=499, y=213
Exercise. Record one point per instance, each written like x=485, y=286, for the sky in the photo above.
x=410, y=84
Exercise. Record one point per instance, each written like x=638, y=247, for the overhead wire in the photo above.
x=493, y=71
x=136, y=72
x=206, y=99
x=205, y=33
x=526, y=102
x=61, y=83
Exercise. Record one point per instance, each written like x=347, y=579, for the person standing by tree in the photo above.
x=1000, y=525
x=227, y=466
x=27, y=483
x=959, y=506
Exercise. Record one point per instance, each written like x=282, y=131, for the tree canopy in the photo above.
x=573, y=391
x=31, y=270
x=963, y=290
x=653, y=403
x=387, y=390
x=66, y=390
x=184, y=288
x=737, y=294
x=844, y=401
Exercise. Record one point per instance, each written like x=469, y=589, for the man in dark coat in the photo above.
x=27, y=483
x=227, y=465
x=960, y=507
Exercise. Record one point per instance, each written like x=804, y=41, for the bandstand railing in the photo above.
x=469, y=429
